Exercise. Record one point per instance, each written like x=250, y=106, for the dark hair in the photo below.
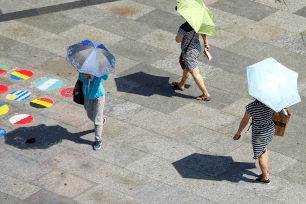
x=176, y=8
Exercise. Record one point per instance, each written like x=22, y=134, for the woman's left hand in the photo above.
x=236, y=136
x=207, y=47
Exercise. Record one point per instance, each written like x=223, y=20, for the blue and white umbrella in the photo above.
x=273, y=84
x=91, y=58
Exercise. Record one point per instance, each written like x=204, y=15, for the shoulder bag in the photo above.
x=78, y=96
x=182, y=56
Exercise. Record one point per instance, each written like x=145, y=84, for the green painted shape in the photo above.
x=197, y=15
x=4, y=67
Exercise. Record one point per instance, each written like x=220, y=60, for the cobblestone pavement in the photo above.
x=159, y=146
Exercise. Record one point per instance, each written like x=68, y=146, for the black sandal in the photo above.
x=176, y=87
x=259, y=179
x=203, y=98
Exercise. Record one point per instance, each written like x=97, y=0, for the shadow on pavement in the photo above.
x=45, y=136
x=211, y=167
x=151, y=85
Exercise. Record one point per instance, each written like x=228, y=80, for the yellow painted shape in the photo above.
x=4, y=109
x=11, y=97
x=20, y=75
x=44, y=103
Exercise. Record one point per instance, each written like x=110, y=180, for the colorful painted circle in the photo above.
x=48, y=84
x=3, y=109
x=19, y=95
x=67, y=92
x=21, y=119
x=3, y=89
x=41, y=103
x=3, y=69
x=21, y=75
x=2, y=132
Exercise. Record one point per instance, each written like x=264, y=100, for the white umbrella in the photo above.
x=273, y=84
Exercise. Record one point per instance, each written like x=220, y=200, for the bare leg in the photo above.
x=186, y=74
x=200, y=82
x=263, y=163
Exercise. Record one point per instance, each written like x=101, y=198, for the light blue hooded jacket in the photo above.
x=93, y=87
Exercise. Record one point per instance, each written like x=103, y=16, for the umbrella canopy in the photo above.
x=197, y=15
x=91, y=58
x=273, y=84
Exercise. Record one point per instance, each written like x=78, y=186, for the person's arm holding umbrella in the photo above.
x=243, y=123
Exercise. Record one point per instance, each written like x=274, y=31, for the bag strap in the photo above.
x=189, y=43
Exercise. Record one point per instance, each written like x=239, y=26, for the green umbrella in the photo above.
x=197, y=15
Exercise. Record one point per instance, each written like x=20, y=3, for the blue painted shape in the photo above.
x=56, y=85
x=2, y=132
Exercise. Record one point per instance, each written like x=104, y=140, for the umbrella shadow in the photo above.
x=45, y=136
x=211, y=167
x=150, y=85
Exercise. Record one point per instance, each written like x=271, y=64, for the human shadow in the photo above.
x=150, y=85
x=45, y=136
x=211, y=167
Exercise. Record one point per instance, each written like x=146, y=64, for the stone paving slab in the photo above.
x=291, y=193
x=120, y=179
x=127, y=27
x=63, y=183
x=44, y=196
x=290, y=41
x=156, y=18
x=180, y=196
x=301, y=12
x=20, y=167
x=36, y=37
x=261, y=51
x=161, y=39
x=82, y=31
x=205, y=116
x=286, y=21
x=220, y=17
x=16, y=188
x=288, y=5
x=102, y=194
x=158, y=122
x=53, y=23
x=294, y=173
x=87, y=15
x=161, y=146
x=252, y=29
x=247, y=9
x=74, y=162
x=126, y=8
x=152, y=98
x=228, y=60
x=5, y=198
x=133, y=49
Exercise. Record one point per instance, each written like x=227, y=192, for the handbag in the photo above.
x=281, y=120
x=78, y=96
x=182, y=63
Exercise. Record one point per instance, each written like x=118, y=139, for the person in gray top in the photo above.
x=185, y=34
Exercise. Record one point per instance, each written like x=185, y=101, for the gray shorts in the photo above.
x=94, y=109
x=191, y=59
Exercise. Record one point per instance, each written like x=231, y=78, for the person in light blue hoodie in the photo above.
x=94, y=100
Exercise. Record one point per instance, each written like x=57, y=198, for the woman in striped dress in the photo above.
x=263, y=130
x=185, y=34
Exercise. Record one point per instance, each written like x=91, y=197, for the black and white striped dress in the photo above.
x=194, y=49
x=263, y=127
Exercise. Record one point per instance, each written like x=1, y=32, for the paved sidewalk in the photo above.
x=159, y=145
